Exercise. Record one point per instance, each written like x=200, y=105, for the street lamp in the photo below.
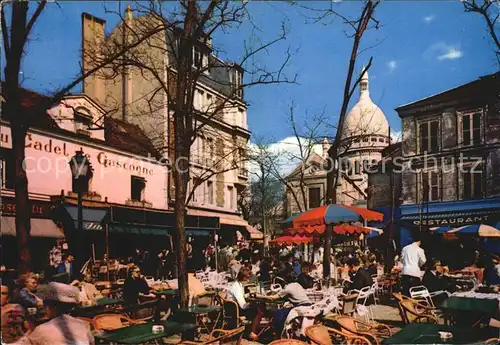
x=81, y=171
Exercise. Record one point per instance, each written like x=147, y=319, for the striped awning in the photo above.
x=39, y=228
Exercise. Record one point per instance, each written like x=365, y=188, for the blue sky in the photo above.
x=421, y=48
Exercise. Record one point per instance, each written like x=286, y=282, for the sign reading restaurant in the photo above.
x=452, y=221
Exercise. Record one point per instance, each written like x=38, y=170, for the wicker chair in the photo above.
x=220, y=336
x=288, y=342
x=108, y=322
x=372, y=331
x=492, y=341
x=413, y=311
x=322, y=335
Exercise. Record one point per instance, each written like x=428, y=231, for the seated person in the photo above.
x=305, y=278
x=492, y=271
x=372, y=265
x=360, y=277
x=135, y=287
x=295, y=295
x=89, y=295
x=236, y=293
x=14, y=325
x=27, y=297
x=434, y=280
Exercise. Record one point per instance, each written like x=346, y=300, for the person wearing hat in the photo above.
x=62, y=328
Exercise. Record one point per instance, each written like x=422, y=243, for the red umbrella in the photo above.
x=291, y=239
x=316, y=219
x=342, y=229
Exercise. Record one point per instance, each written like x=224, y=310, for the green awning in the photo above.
x=92, y=217
x=128, y=229
x=199, y=232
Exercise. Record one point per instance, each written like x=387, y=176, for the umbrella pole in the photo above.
x=326, y=253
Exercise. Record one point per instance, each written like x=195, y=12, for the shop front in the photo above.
x=427, y=218
x=45, y=233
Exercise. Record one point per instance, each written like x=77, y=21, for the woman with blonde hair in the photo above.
x=27, y=297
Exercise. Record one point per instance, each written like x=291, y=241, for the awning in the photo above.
x=92, y=217
x=434, y=216
x=128, y=229
x=224, y=219
x=199, y=232
x=253, y=233
x=39, y=228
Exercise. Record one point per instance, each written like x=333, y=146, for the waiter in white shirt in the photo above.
x=413, y=258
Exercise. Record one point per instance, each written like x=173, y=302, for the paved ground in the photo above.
x=386, y=313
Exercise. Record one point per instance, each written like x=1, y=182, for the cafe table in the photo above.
x=143, y=333
x=199, y=314
x=469, y=311
x=428, y=333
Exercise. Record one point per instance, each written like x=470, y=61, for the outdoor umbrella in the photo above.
x=291, y=239
x=481, y=230
x=317, y=218
x=341, y=229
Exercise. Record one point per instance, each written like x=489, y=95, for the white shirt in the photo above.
x=413, y=258
x=236, y=293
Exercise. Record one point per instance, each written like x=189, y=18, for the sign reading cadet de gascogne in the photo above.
x=67, y=149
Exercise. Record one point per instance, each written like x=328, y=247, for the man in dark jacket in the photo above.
x=305, y=278
x=360, y=277
x=434, y=281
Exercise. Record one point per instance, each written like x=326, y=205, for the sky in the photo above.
x=421, y=48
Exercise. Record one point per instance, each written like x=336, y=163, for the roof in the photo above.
x=118, y=134
x=490, y=78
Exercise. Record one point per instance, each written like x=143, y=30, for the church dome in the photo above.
x=365, y=118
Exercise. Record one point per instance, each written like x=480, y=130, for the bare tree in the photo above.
x=486, y=9
x=176, y=63
x=16, y=33
x=358, y=27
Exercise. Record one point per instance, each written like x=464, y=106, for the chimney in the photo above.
x=92, y=41
x=326, y=146
x=126, y=79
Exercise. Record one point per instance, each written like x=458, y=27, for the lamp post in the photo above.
x=81, y=171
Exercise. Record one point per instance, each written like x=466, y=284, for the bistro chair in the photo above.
x=373, y=331
x=349, y=303
x=414, y=311
x=230, y=314
x=492, y=341
x=288, y=342
x=322, y=335
x=109, y=322
x=220, y=336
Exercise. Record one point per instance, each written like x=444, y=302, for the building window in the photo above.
x=197, y=57
x=83, y=121
x=210, y=192
x=238, y=82
x=196, y=186
x=472, y=184
x=374, y=139
x=430, y=186
x=8, y=171
x=428, y=133
x=471, y=129
x=381, y=140
x=138, y=186
x=230, y=192
x=314, y=197
x=365, y=139
x=209, y=150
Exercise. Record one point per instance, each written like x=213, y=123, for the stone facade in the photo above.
x=454, y=136
x=137, y=97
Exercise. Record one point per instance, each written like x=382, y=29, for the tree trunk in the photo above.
x=180, y=234
x=23, y=213
x=326, y=253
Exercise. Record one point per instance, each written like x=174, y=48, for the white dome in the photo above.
x=365, y=118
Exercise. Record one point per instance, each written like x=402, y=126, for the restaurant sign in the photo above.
x=39, y=209
x=452, y=221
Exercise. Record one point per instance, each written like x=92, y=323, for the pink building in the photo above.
x=127, y=194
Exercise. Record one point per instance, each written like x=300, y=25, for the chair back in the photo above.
x=349, y=304
x=410, y=312
x=276, y=288
x=318, y=334
x=347, y=324
x=231, y=313
x=421, y=293
x=222, y=336
x=288, y=342
x=107, y=322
